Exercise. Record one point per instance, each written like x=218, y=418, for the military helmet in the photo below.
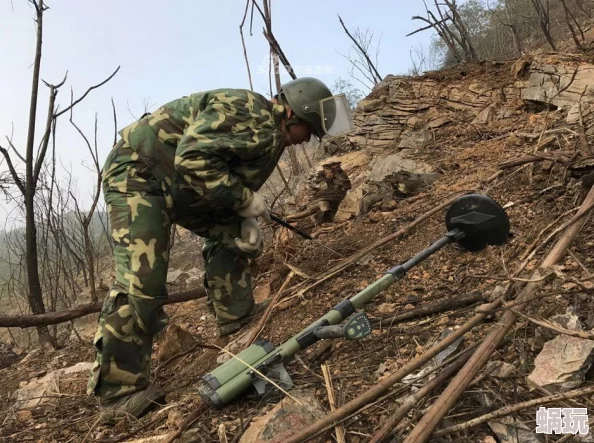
x=313, y=102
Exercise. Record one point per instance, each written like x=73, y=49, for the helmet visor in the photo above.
x=336, y=115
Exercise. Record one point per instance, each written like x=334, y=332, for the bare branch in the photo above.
x=260, y=11
x=544, y=20
x=95, y=157
x=569, y=18
x=459, y=24
x=77, y=101
x=355, y=64
x=11, y=145
x=13, y=172
x=247, y=63
x=424, y=28
x=281, y=55
x=48, y=128
x=115, y=123
x=375, y=74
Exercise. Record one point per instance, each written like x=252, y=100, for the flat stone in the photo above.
x=7, y=356
x=370, y=105
x=262, y=293
x=439, y=122
x=485, y=116
x=24, y=416
x=387, y=308
x=562, y=363
x=417, y=139
x=568, y=321
x=509, y=430
x=173, y=275
x=505, y=113
x=38, y=392
x=175, y=340
x=384, y=166
x=195, y=277
x=285, y=419
x=349, y=206
x=499, y=369
x=559, y=84
x=348, y=162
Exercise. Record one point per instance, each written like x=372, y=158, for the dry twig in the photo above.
x=260, y=326
x=433, y=416
x=515, y=408
x=330, y=391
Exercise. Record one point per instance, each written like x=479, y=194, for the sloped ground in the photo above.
x=477, y=119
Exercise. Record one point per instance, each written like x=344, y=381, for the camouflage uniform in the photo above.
x=192, y=162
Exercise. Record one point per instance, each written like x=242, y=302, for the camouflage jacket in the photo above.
x=212, y=149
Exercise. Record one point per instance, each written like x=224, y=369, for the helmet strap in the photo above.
x=291, y=121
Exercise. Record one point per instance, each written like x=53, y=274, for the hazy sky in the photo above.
x=170, y=49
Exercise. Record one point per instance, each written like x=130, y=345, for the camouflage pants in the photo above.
x=141, y=211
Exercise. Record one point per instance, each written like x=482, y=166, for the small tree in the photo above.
x=362, y=62
x=543, y=11
x=353, y=94
x=33, y=164
x=424, y=60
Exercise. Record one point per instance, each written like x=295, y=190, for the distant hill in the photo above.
x=12, y=242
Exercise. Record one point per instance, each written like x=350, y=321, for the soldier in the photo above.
x=198, y=162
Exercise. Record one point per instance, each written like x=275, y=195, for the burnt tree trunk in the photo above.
x=35, y=295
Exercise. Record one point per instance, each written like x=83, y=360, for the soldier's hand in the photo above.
x=256, y=208
x=251, y=235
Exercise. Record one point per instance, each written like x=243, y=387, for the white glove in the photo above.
x=251, y=235
x=256, y=208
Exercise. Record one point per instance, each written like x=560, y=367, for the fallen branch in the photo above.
x=332, y=402
x=197, y=345
x=581, y=213
x=195, y=415
x=302, y=214
x=439, y=306
x=553, y=327
x=222, y=434
x=377, y=390
x=559, y=158
x=515, y=408
x=53, y=318
x=260, y=326
x=548, y=131
x=442, y=405
x=412, y=400
x=584, y=145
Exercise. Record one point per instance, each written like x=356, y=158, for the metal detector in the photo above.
x=473, y=222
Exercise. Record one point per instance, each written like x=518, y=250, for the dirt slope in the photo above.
x=461, y=123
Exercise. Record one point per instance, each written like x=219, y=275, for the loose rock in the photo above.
x=562, y=363
x=284, y=419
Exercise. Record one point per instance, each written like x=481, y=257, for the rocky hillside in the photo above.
x=520, y=132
